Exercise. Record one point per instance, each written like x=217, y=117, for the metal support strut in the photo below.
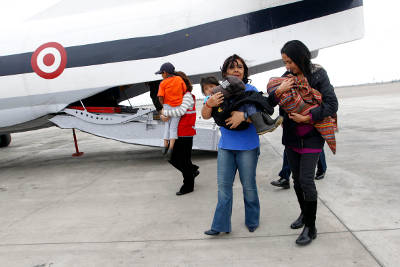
x=77, y=153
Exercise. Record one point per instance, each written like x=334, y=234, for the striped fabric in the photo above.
x=187, y=103
x=301, y=98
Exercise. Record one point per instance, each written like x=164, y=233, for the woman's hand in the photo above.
x=236, y=118
x=300, y=118
x=285, y=86
x=215, y=100
x=164, y=118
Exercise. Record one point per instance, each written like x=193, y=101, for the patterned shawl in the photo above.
x=301, y=98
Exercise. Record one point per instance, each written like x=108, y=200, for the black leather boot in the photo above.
x=298, y=223
x=282, y=182
x=307, y=236
x=309, y=231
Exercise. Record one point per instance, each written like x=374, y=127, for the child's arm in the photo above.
x=206, y=111
x=161, y=100
x=181, y=110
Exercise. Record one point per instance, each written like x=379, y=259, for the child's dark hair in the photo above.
x=230, y=61
x=185, y=78
x=208, y=80
x=299, y=54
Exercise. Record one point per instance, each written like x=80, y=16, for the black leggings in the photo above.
x=181, y=159
x=303, y=172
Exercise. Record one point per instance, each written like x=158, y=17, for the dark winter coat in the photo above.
x=318, y=80
x=223, y=112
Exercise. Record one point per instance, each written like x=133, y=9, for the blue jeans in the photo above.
x=229, y=161
x=249, y=108
x=321, y=162
x=285, y=172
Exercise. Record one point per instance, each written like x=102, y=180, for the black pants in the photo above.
x=181, y=159
x=303, y=171
x=285, y=171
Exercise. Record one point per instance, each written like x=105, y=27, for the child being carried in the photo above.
x=301, y=98
x=253, y=104
x=170, y=95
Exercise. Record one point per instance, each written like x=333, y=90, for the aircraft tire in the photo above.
x=5, y=140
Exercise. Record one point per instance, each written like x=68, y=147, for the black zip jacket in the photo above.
x=222, y=112
x=319, y=80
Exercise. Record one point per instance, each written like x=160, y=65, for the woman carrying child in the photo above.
x=181, y=157
x=170, y=95
x=303, y=142
x=237, y=151
x=254, y=105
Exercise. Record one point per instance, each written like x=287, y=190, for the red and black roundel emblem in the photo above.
x=49, y=60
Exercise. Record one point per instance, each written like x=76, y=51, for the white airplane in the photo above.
x=71, y=64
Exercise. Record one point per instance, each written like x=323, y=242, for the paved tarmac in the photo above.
x=116, y=205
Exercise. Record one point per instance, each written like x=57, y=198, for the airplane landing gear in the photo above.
x=77, y=153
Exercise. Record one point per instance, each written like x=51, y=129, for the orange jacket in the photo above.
x=172, y=89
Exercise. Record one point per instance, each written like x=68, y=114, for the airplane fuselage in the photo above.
x=62, y=56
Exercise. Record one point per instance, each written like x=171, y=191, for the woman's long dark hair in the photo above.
x=234, y=60
x=185, y=78
x=299, y=54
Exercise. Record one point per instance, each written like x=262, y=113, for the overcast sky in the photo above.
x=372, y=59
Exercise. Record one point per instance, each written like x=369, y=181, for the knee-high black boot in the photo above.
x=299, y=222
x=309, y=231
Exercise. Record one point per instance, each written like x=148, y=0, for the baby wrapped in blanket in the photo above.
x=301, y=98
